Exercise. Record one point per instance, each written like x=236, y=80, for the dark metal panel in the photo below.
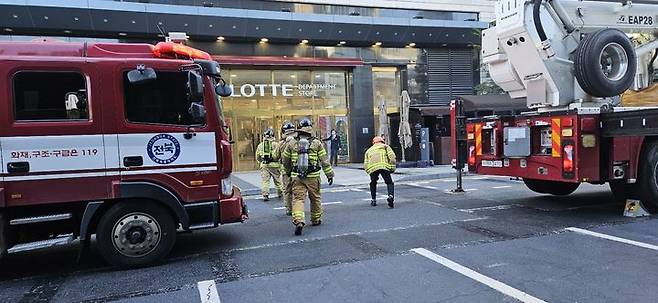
x=14, y=16
x=225, y=26
x=110, y=21
x=350, y=32
x=173, y=23
x=361, y=114
x=450, y=74
x=630, y=123
x=272, y=29
x=60, y=18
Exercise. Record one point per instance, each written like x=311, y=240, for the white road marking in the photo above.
x=500, y=187
x=378, y=197
x=358, y=190
x=497, y=207
x=613, y=238
x=323, y=204
x=208, y=292
x=423, y=186
x=469, y=273
x=337, y=190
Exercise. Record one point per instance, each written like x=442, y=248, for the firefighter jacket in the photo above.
x=267, y=153
x=285, y=142
x=379, y=156
x=317, y=159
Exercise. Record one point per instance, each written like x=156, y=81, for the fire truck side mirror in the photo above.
x=222, y=89
x=194, y=86
x=141, y=75
x=198, y=112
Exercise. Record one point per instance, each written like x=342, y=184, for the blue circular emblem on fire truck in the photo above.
x=163, y=149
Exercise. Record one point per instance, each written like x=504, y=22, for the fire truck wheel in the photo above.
x=135, y=233
x=551, y=187
x=605, y=63
x=647, y=179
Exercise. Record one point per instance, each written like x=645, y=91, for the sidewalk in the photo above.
x=347, y=175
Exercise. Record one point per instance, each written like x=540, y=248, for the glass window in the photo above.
x=162, y=101
x=386, y=84
x=50, y=96
x=330, y=89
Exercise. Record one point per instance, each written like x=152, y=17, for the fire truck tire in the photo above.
x=136, y=233
x=555, y=188
x=647, y=179
x=605, y=63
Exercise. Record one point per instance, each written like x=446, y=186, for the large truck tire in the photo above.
x=605, y=63
x=4, y=238
x=135, y=234
x=555, y=188
x=647, y=179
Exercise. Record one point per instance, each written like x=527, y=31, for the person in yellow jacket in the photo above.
x=288, y=136
x=380, y=160
x=268, y=157
x=303, y=160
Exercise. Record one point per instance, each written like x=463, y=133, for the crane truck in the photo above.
x=578, y=64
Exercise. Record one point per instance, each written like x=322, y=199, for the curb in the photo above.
x=256, y=191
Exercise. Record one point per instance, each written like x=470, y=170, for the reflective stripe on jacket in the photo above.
x=379, y=156
x=317, y=160
x=273, y=154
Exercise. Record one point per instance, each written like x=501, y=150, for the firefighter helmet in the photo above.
x=287, y=127
x=268, y=133
x=305, y=125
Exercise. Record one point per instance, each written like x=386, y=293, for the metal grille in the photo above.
x=450, y=73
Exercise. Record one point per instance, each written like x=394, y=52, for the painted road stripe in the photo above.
x=612, y=238
x=492, y=283
x=500, y=187
x=323, y=204
x=208, y=292
x=497, y=207
x=423, y=186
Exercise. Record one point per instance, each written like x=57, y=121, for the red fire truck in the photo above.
x=124, y=141
x=573, y=61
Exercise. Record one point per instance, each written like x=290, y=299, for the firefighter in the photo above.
x=303, y=159
x=268, y=157
x=288, y=136
x=380, y=160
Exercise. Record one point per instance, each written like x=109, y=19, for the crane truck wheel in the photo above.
x=135, y=233
x=555, y=188
x=647, y=179
x=605, y=63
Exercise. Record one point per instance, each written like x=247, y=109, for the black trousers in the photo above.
x=333, y=157
x=374, y=177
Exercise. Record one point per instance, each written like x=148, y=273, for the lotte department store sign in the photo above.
x=281, y=90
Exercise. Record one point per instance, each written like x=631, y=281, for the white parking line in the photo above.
x=501, y=187
x=612, y=238
x=208, y=292
x=469, y=273
x=323, y=204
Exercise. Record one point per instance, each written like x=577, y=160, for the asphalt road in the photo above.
x=499, y=242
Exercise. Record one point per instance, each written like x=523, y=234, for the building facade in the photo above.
x=336, y=62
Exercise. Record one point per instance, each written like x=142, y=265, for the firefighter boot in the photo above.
x=316, y=223
x=266, y=198
x=373, y=194
x=373, y=202
x=391, y=195
x=298, y=229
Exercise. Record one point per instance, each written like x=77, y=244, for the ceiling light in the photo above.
x=264, y=40
x=293, y=76
x=220, y=38
x=377, y=43
x=412, y=44
x=8, y=30
x=342, y=42
x=233, y=75
x=67, y=31
x=123, y=34
x=304, y=41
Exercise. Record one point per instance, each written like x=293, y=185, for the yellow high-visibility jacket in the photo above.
x=379, y=156
x=268, y=157
x=317, y=159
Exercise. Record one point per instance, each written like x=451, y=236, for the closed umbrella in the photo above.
x=404, y=133
x=383, y=120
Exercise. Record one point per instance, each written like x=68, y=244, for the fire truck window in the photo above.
x=50, y=96
x=162, y=101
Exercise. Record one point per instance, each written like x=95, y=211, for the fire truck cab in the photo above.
x=124, y=141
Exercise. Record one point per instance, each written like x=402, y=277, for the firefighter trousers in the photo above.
x=286, y=188
x=300, y=188
x=374, y=177
x=268, y=173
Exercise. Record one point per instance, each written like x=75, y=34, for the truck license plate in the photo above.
x=496, y=163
